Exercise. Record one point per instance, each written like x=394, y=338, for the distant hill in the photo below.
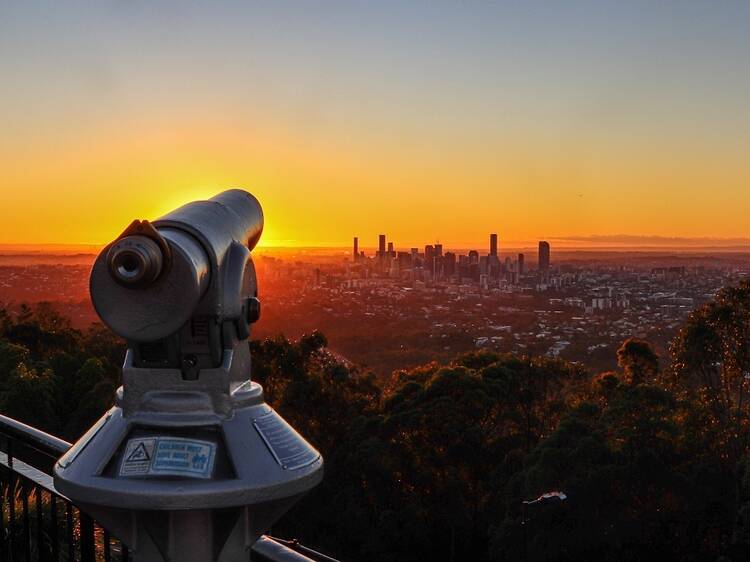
x=48, y=254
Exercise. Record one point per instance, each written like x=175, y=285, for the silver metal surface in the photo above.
x=257, y=478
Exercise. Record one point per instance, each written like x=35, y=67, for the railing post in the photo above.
x=106, y=539
x=3, y=547
x=11, y=501
x=5, y=544
x=88, y=543
x=70, y=531
x=53, y=528
x=26, y=524
x=41, y=550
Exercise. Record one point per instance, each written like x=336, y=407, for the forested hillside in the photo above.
x=434, y=465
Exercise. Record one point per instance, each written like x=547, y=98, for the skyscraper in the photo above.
x=450, y=263
x=429, y=253
x=391, y=253
x=484, y=265
x=521, y=260
x=404, y=261
x=381, y=246
x=543, y=256
x=438, y=250
x=356, y=249
x=493, y=244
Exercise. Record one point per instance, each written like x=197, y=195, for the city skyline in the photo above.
x=388, y=248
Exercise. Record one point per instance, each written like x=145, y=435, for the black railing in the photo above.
x=38, y=524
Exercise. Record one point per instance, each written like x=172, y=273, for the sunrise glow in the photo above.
x=440, y=123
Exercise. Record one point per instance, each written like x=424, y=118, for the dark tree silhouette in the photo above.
x=434, y=463
x=639, y=361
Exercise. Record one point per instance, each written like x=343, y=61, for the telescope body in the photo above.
x=176, y=265
x=190, y=464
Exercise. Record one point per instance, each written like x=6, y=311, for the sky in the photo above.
x=428, y=121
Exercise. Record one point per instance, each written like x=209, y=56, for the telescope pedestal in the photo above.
x=187, y=471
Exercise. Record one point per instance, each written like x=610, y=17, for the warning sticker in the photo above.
x=168, y=456
x=137, y=458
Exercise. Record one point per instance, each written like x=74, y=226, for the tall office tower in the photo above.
x=429, y=253
x=438, y=250
x=356, y=248
x=543, y=256
x=449, y=264
x=473, y=257
x=521, y=260
x=494, y=267
x=484, y=265
x=493, y=244
x=414, y=256
x=429, y=259
x=381, y=246
x=391, y=253
x=438, y=268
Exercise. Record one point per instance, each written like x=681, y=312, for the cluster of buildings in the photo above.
x=438, y=303
x=434, y=265
x=395, y=309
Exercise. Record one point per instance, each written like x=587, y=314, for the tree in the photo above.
x=634, y=491
x=711, y=365
x=52, y=375
x=26, y=390
x=92, y=394
x=639, y=361
x=434, y=463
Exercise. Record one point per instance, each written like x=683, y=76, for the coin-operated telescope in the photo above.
x=190, y=465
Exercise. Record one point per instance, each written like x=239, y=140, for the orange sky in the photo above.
x=441, y=124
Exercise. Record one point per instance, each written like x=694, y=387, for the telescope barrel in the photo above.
x=233, y=215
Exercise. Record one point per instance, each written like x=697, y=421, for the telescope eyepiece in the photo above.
x=135, y=261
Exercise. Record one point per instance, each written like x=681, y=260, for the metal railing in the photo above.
x=37, y=523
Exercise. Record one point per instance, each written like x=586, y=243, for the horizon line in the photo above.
x=93, y=249
x=565, y=241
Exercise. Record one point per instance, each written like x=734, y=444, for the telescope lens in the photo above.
x=135, y=261
x=129, y=265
